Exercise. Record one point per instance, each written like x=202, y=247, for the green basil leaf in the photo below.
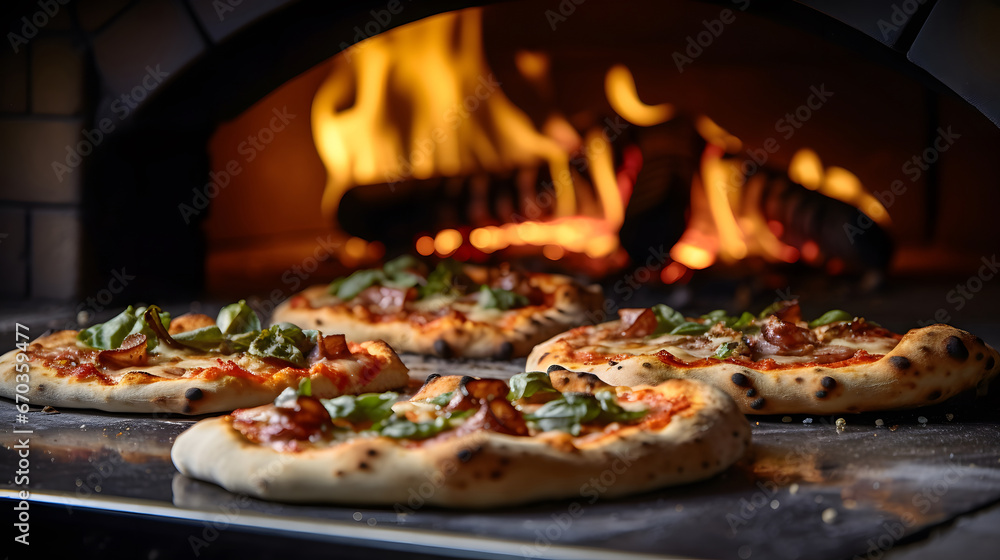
x=372, y=407
x=402, y=265
x=304, y=340
x=401, y=428
x=690, y=328
x=611, y=411
x=237, y=318
x=725, y=350
x=442, y=399
x=745, y=320
x=110, y=334
x=348, y=288
x=524, y=385
x=305, y=388
x=238, y=342
x=717, y=316
x=496, y=298
x=272, y=343
x=441, y=280
x=206, y=338
x=566, y=413
x=770, y=309
x=832, y=316
x=667, y=319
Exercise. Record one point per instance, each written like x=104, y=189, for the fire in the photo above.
x=726, y=221
x=420, y=101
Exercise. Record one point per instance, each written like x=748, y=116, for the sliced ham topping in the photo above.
x=637, y=322
x=782, y=338
x=333, y=347
x=306, y=420
x=131, y=353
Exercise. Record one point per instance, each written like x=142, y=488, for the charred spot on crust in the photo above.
x=441, y=348
x=899, y=362
x=187, y=408
x=363, y=466
x=736, y=434
x=704, y=464
x=935, y=395
x=430, y=378
x=554, y=367
x=612, y=363
x=620, y=367
x=740, y=380
x=338, y=473
x=371, y=453
x=647, y=365
x=505, y=351
x=751, y=392
x=798, y=380
x=680, y=469
x=979, y=356
x=821, y=394
x=828, y=382
x=504, y=461
x=956, y=348
x=41, y=388
x=464, y=455
x=757, y=404
x=545, y=355
x=989, y=365
x=193, y=394
x=496, y=474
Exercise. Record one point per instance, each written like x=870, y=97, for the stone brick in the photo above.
x=30, y=146
x=55, y=253
x=56, y=76
x=13, y=252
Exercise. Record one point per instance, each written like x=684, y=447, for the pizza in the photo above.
x=467, y=442
x=142, y=361
x=775, y=362
x=453, y=310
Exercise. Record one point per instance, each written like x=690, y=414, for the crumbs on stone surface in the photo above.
x=879, y=422
x=829, y=515
x=922, y=419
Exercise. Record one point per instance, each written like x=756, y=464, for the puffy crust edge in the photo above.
x=929, y=365
x=462, y=339
x=146, y=394
x=478, y=470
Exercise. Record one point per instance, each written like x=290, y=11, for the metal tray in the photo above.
x=808, y=489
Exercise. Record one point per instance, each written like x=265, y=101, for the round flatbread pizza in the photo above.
x=454, y=310
x=775, y=362
x=463, y=442
x=142, y=361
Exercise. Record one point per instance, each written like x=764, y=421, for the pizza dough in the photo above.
x=703, y=434
x=454, y=323
x=925, y=366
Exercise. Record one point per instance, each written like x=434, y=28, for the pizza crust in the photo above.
x=929, y=365
x=140, y=390
x=497, y=335
x=477, y=470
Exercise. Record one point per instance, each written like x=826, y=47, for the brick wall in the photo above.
x=69, y=78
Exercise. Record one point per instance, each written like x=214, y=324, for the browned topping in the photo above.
x=307, y=420
x=131, y=353
x=333, y=347
x=637, y=323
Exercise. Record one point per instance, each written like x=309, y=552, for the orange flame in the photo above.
x=420, y=101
